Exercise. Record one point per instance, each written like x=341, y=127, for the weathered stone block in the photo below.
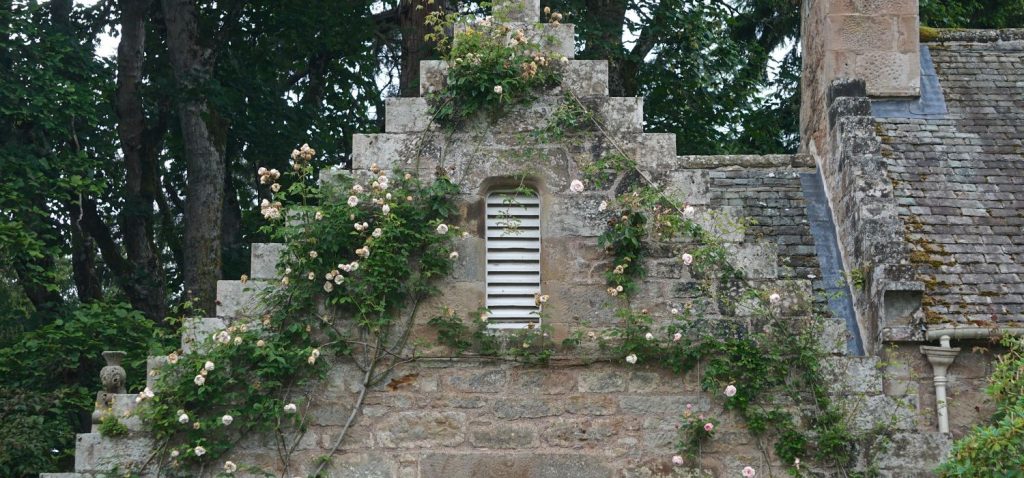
x=263, y=260
x=602, y=381
x=907, y=452
x=517, y=11
x=586, y=77
x=585, y=433
x=542, y=381
x=502, y=435
x=531, y=465
x=406, y=115
x=667, y=405
x=433, y=76
x=873, y=7
x=622, y=114
x=890, y=73
x=758, y=261
x=123, y=408
x=692, y=186
x=660, y=433
x=874, y=411
x=393, y=150
x=237, y=300
x=851, y=375
x=364, y=465
x=862, y=32
x=477, y=381
x=153, y=366
x=195, y=330
x=528, y=407
x=574, y=216
x=96, y=454
x=423, y=429
x=591, y=404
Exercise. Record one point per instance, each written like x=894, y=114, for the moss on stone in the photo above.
x=928, y=34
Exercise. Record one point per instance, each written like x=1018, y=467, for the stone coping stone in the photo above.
x=975, y=36
x=747, y=161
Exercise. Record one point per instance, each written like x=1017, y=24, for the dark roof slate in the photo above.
x=959, y=180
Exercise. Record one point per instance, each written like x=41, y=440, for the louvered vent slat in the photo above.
x=513, y=258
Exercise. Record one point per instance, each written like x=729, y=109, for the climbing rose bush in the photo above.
x=356, y=252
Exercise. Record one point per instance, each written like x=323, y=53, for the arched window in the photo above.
x=513, y=258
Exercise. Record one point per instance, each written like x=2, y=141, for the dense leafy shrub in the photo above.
x=996, y=449
x=49, y=379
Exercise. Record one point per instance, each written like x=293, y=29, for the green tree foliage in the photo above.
x=54, y=132
x=708, y=70
x=972, y=13
x=50, y=379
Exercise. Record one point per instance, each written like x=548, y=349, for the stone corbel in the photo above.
x=941, y=358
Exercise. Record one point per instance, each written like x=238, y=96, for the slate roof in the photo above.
x=959, y=180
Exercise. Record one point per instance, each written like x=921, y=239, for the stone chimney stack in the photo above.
x=872, y=40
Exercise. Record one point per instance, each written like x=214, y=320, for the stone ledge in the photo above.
x=747, y=161
x=235, y=299
x=581, y=77
x=617, y=114
x=938, y=35
x=559, y=39
x=97, y=454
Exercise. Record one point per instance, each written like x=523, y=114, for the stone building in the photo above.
x=910, y=179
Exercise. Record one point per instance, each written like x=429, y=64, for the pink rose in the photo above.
x=748, y=472
x=708, y=427
x=730, y=391
x=677, y=460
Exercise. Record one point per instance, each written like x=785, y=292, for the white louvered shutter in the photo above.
x=513, y=259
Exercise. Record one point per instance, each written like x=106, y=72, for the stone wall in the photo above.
x=472, y=417
x=477, y=417
x=869, y=39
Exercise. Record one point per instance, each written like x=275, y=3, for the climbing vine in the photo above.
x=760, y=366
x=360, y=254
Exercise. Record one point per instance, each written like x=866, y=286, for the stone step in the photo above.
x=97, y=454
x=617, y=114
x=581, y=77
x=153, y=366
x=263, y=260
x=195, y=330
x=123, y=408
x=517, y=10
x=237, y=299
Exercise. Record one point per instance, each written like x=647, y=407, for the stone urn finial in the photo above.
x=113, y=375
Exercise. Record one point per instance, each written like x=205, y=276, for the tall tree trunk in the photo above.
x=412, y=23
x=83, y=259
x=204, y=190
x=145, y=285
